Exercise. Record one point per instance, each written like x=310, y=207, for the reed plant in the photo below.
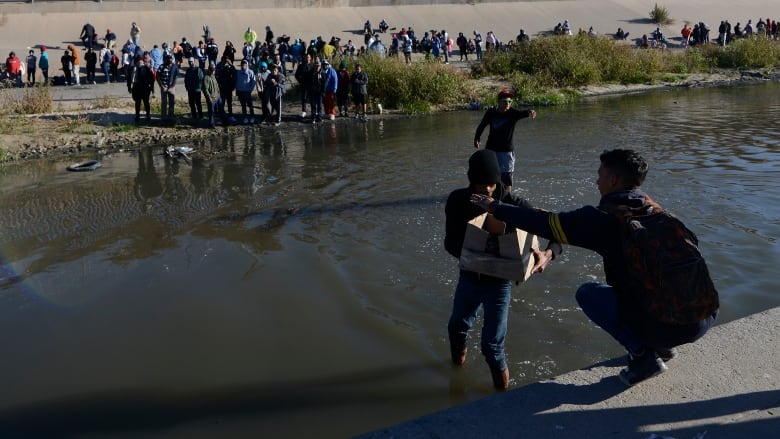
x=568, y=62
x=417, y=87
x=754, y=52
x=661, y=15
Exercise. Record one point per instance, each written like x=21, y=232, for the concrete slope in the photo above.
x=726, y=386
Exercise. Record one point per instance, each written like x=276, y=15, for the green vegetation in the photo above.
x=548, y=71
x=415, y=88
x=540, y=69
x=660, y=15
x=122, y=128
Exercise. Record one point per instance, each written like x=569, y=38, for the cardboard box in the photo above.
x=510, y=259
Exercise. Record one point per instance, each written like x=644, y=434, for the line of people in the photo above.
x=323, y=89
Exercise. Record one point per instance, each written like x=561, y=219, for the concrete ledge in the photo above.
x=727, y=385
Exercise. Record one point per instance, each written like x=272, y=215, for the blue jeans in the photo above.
x=215, y=108
x=491, y=295
x=599, y=303
x=506, y=162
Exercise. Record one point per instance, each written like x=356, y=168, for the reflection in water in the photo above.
x=314, y=258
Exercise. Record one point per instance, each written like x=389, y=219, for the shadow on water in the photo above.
x=140, y=409
x=127, y=410
x=311, y=211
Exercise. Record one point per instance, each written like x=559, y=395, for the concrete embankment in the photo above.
x=725, y=386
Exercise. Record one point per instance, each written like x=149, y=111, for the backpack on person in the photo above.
x=664, y=267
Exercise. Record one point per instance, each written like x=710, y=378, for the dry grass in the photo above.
x=76, y=124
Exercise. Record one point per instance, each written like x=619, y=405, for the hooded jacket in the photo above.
x=483, y=168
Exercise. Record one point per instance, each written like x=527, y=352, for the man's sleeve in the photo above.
x=481, y=127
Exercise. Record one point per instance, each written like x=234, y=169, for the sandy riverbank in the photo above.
x=56, y=24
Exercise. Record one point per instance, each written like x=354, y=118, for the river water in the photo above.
x=302, y=288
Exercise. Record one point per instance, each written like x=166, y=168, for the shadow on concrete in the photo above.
x=541, y=410
x=664, y=417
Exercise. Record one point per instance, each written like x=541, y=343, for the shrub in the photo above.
x=749, y=53
x=660, y=15
x=33, y=100
x=417, y=87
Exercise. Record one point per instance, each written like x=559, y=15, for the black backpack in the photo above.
x=664, y=266
x=187, y=49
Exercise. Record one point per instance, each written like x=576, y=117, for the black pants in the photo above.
x=196, y=106
x=140, y=96
x=227, y=99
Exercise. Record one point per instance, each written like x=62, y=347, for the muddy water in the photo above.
x=302, y=288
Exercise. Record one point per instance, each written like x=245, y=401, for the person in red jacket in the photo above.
x=14, y=68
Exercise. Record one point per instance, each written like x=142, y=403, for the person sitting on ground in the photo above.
x=644, y=42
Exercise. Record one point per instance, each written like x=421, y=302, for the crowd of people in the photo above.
x=256, y=70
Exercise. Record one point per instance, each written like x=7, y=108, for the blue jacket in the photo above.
x=331, y=80
x=157, y=57
x=245, y=80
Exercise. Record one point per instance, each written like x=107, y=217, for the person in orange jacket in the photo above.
x=76, y=54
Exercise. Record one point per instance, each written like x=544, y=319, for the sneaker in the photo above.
x=666, y=354
x=458, y=356
x=303, y=114
x=332, y=117
x=642, y=367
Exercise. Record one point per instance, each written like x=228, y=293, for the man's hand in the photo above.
x=541, y=259
x=476, y=143
x=482, y=201
x=532, y=114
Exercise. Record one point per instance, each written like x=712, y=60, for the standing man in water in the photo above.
x=475, y=290
x=502, y=120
